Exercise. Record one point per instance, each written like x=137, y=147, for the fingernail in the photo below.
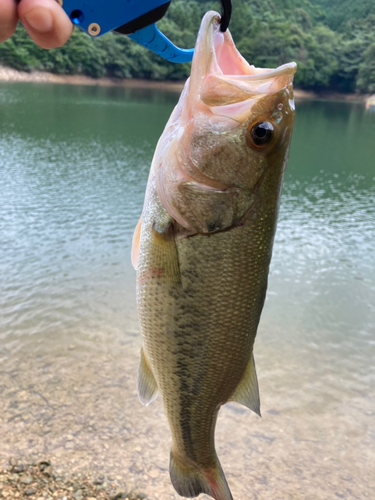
x=39, y=19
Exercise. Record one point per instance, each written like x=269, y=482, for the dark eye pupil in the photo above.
x=261, y=133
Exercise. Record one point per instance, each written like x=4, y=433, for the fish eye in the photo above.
x=261, y=133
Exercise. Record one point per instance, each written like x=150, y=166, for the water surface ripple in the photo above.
x=73, y=167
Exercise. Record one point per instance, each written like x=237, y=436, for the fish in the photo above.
x=203, y=245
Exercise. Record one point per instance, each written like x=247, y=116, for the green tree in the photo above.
x=366, y=74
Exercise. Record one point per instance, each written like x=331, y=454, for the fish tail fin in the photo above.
x=190, y=481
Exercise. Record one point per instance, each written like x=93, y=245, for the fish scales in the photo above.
x=203, y=248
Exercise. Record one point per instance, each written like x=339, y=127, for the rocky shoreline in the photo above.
x=12, y=75
x=36, y=480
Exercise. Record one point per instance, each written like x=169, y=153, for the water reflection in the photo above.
x=73, y=164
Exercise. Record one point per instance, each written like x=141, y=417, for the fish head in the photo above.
x=226, y=144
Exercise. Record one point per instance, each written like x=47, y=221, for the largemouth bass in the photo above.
x=203, y=245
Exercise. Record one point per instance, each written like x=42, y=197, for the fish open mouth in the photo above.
x=221, y=76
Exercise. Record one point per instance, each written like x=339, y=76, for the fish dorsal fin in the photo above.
x=135, y=243
x=146, y=384
x=247, y=391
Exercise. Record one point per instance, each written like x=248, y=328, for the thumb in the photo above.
x=46, y=22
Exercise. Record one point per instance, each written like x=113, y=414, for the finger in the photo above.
x=8, y=18
x=46, y=22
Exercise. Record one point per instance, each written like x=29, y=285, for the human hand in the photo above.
x=45, y=21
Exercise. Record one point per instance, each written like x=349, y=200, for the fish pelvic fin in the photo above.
x=247, y=391
x=146, y=384
x=190, y=481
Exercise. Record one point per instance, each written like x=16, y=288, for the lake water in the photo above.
x=73, y=168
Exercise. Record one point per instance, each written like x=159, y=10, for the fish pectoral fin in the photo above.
x=163, y=257
x=190, y=481
x=135, y=243
x=247, y=391
x=146, y=384
x=163, y=222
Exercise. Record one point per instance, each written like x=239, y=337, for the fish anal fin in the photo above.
x=247, y=391
x=146, y=384
x=190, y=481
x=135, y=243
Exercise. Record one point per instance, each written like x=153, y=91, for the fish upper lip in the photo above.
x=261, y=74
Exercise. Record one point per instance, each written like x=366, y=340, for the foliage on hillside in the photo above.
x=333, y=42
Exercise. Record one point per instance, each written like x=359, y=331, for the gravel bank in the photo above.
x=36, y=481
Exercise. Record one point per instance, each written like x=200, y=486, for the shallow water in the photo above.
x=73, y=167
